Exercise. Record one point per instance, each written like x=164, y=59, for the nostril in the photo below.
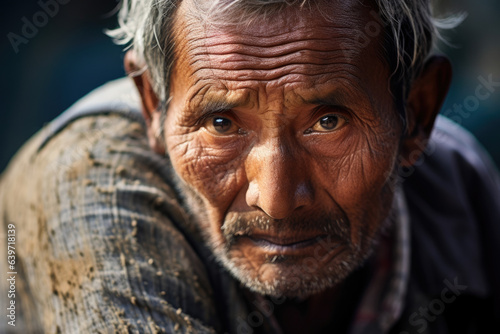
x=278, y=201
x=252, y=195
x=277, y=185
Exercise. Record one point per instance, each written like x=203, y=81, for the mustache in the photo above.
x=245, y=224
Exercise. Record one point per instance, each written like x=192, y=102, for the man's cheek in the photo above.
x=347, y=172
x=208, y=171
x=356, y=179
x=371, y=159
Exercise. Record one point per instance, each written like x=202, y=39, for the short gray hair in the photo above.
x=410, y=29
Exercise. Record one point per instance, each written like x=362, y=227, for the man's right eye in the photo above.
x=221, y=126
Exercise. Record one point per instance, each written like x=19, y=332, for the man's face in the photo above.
x=283, y=135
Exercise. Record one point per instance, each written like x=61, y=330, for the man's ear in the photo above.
x=149, y=100
x=424, y=102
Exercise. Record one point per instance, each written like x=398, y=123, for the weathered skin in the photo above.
x=284, y=136
x=273, y=81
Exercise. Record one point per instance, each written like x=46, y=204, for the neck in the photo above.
x=310, y=315
x=331, y=310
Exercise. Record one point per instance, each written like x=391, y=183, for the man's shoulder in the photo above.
x=454, y=167
x=453, y=196
x=118, y=97
x=460, y=142
x=99, y=217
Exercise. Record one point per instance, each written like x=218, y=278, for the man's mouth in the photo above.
x=295, y=238
x=284, y=242
x=287, y=244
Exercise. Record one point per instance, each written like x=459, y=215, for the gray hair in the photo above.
x=146, y=26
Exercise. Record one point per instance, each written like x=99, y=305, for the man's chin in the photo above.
x=296, y=274
x=289, y=280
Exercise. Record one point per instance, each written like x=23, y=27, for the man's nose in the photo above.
x=278, y=180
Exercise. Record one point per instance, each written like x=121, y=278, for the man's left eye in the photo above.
x=328, y=123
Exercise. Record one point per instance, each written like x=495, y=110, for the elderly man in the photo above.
x=286, y=176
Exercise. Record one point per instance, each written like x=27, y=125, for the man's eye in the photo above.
x=221, y=125
x=328, y=123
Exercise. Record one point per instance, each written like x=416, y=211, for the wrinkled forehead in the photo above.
x=345, y=22
x=293, y=47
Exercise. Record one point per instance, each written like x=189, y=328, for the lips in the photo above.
x=257, y=236
x=285, y=241
x=284, y=244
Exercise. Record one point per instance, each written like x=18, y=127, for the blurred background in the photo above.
x=69, y=55
x=65, y=59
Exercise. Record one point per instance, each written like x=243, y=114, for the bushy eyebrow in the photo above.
x=210, y=102
x=210, y=106
x=334, y=99
x=355, y=101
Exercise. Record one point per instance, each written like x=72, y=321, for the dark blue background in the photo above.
x=68, y=57
x=71, y=55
